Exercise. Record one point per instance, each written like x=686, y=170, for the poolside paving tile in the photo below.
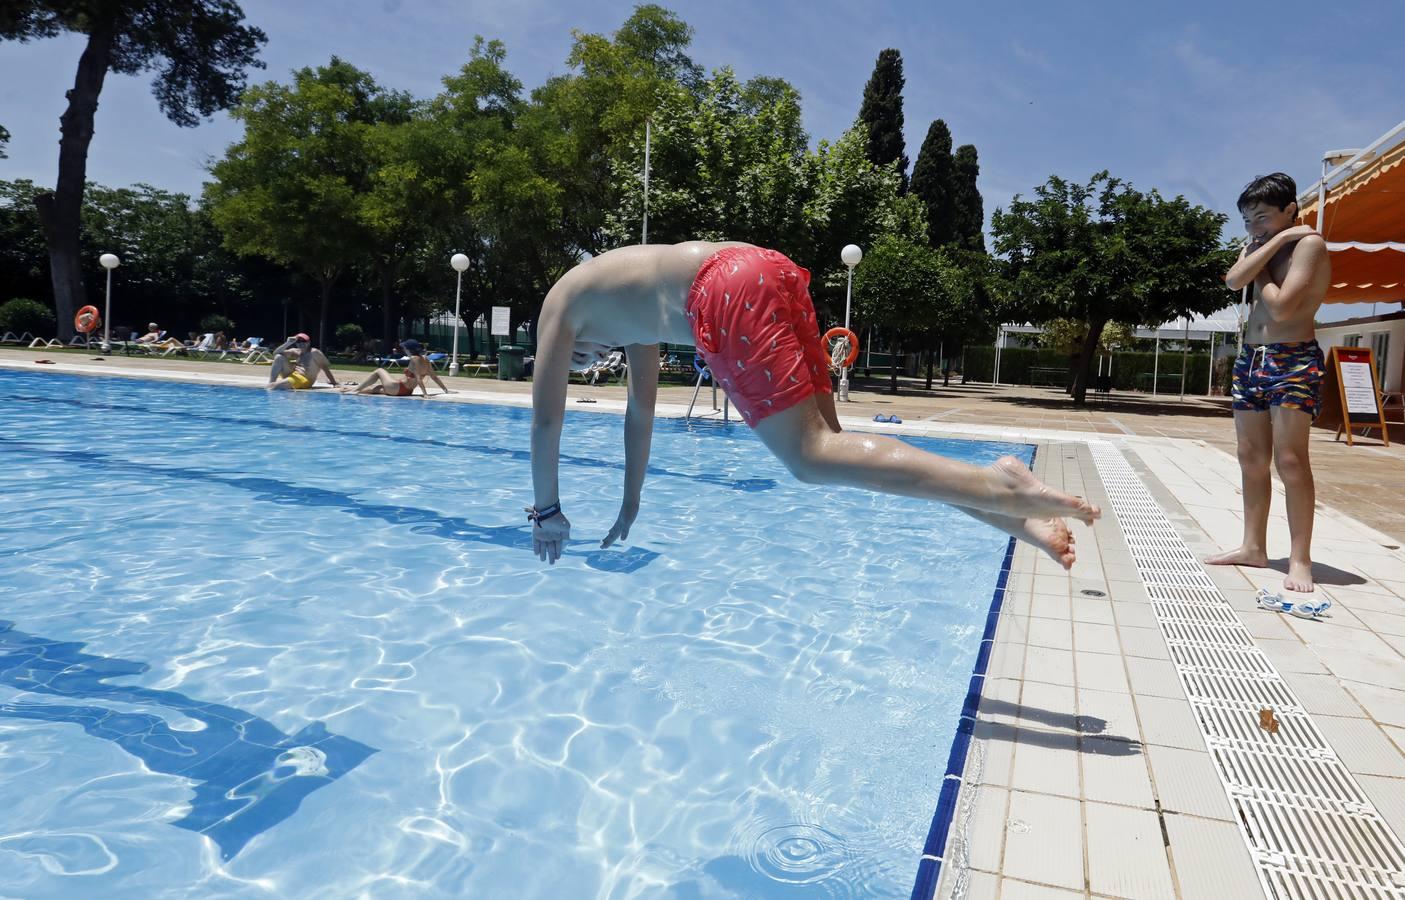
x=1126, y=853
x=1014, y=889
x=1210, y=859
x=1046, y=761
x=1169, y=722
x=1322, y=694
x=1114, y=772
x=1385, y=705
x=1094, y=610
x=1094, y=637
x=1100, y=671
x=1044, y=840
x=1055, y=633
x=1362, y=745
x=1108, y=714
x=1049, y=665
x=1155, y=677
x=1134, y=615
x=1186, y=782
x=1144, y=642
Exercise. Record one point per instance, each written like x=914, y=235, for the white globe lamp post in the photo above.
x=109, y=261
x=460, y=264
x=851, y=255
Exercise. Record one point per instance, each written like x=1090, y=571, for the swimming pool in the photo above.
x=290, y=645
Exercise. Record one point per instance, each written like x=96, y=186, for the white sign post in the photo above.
x=502, y=321
x=1359, y=388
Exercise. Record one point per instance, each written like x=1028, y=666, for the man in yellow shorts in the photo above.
x=296, y=365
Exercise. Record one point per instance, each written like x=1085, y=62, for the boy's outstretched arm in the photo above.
x=638, y=433
x=1284, y=300
x=555, y=338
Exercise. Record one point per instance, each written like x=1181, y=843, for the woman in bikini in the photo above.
x=417, y=373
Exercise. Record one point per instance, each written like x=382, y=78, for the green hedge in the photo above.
x=1131, y=371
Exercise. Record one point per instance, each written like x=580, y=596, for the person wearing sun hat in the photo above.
x=296, y=365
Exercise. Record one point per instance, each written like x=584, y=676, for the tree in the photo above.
x=933, y=184
x=911, y=291
x=200, y=49
x=882, y=113
x=968, y=210
x=293, y=189
x=727, y=163
x=1067, y=336
x=1105, y=252
x=4, y=139
x=579, y=125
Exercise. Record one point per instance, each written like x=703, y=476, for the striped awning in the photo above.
x=1364, y=222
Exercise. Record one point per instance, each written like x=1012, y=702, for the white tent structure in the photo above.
x=1227, y=321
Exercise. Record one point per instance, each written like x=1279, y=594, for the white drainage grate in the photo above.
x=1311, y=829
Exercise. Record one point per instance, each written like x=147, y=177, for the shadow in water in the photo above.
x=420, y=521
x=248, y=775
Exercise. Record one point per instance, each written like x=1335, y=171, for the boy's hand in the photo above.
x=628, y=513
x=549, y=538
x=1296, y=233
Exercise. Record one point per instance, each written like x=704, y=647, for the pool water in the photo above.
x=296, y=645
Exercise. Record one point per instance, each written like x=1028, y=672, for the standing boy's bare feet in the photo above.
x=1239, y=556
x=1299, y=576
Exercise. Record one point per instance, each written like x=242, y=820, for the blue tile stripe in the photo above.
x=929, y=868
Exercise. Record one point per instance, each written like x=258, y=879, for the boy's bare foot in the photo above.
x=1299, y=576
x=1239, y=556
x=1053, y=537
x=1034, y=498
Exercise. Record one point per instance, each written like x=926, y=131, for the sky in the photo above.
x=1191, y=98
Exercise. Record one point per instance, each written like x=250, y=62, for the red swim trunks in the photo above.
x=755, y=326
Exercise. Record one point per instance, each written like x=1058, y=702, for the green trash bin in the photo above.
x=510, y=362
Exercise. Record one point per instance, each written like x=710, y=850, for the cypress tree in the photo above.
x=968, y=209
x=882, y=112
x=932, y=182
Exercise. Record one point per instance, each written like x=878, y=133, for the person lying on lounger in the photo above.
x=417, y=372
x=748, y=311
x=296, y=365
x=154, y=338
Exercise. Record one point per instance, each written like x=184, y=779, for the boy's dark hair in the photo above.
x=1278, y=189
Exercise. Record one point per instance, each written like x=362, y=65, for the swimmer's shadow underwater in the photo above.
x=247, y=775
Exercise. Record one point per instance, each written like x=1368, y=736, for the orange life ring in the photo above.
x=840, y=331
x=87, y=319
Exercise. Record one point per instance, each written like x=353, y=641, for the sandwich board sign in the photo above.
x=502, y=324
x=1351, y=396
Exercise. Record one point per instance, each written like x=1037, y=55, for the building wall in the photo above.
x=1387, y=370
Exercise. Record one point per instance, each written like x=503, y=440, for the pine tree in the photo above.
x=968, y=209
x=882, y=113
x=932, y=183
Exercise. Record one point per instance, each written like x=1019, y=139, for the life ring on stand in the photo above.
x=701, y=367
x=87, y=319
x=841, y=332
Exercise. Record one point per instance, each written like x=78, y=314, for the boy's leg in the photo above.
x=1291, y=427
x=1050, y=535
x=1254, y=434
x=802, y=439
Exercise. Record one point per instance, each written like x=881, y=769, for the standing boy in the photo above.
x=1278, y=375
